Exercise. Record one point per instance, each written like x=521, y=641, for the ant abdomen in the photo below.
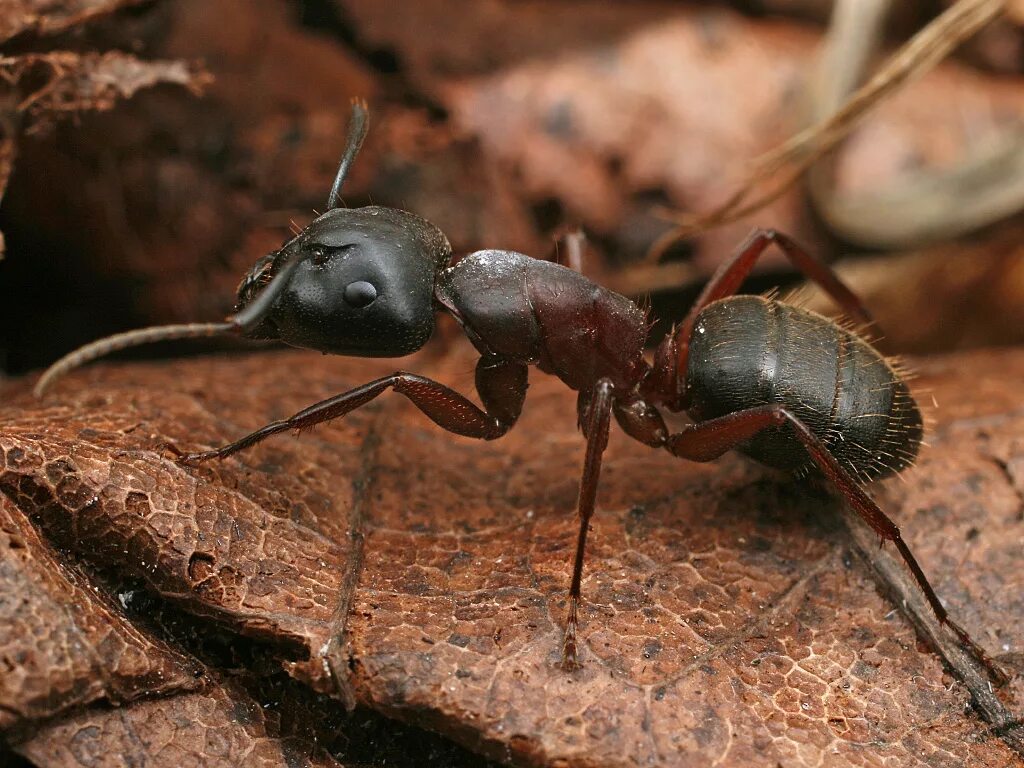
x=748, y=351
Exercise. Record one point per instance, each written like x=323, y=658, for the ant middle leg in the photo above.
x=708, y=440
x=596, y=418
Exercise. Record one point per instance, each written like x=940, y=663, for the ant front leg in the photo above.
x=595, y=420
x=708, y=440
x=501, y=385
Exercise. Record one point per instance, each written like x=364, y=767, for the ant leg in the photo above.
x=502, y=387
x=707, y=440
x=574, y=242
x=728, y=278
x=595, y=427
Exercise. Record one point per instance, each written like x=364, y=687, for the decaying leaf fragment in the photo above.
x=60, y=82
x=229, y=723
x=101, y=485
x=47, y=17
x=725, y=619
x=38, y=88
x=966, y=294
x=63, y=643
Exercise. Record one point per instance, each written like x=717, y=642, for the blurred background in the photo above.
x=152, y=151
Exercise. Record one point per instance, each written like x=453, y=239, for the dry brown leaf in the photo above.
x=54, y=84
x=723, y=618
x=62, y=641
x=471, y=38
x=683, y=105
x=669, y=109
x=47, y=17
x=965, y=294
x=266, y=561
x=722, y=623
x=234, y=722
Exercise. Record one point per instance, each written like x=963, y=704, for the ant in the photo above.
x=787, y=387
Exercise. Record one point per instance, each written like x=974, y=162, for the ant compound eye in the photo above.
x=360, y=293
x=319, y=255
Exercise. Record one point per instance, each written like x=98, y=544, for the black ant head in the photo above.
x=356, y=281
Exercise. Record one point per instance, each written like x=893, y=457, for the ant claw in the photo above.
x=192, y=459
x=996, y=673
x=188, y=459
x=170, y=447
x=570, y=657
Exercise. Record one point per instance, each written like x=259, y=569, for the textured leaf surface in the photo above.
x=725, y=618
x=266, y=559
x=225, y=725
x=63, y=643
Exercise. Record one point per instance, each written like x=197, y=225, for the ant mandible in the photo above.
x=785, y=386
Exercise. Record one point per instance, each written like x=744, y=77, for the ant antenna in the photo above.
x=247, y=319
x=358, y=125
x=118, y=341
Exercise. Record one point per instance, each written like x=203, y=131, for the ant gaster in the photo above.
x=783, y=385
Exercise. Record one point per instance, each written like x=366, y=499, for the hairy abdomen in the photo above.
x=748, y=351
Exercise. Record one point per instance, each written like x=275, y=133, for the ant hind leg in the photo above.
x=673, y=353
x=706, y=441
